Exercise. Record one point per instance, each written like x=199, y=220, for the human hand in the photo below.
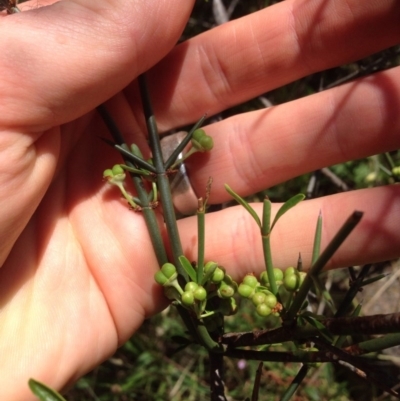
x=79, y=278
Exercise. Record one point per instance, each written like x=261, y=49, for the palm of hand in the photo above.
x=77, y=278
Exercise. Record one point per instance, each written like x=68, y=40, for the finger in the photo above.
x=256, y=150
x=60, y=61
x=233, y=239
x=250, y=56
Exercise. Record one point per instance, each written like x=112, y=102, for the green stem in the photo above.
x=194, y=325
x=266, y=244
x=149, y=215
x=294, y=385
x=200, y=243
x=376, y=344
x=162, y=179
x=320, y=263
x=174, y=155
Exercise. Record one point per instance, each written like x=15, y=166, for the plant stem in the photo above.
x=266, y=243
x=200, y=242
x=162, y=179
x=149, y=215
x=195, y=326
x=294, y=385
x=320, y=263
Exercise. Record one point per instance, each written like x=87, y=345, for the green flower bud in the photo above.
x=396, y=171
x=218, y=275
x=160, y=278
x=263, y=310
x=291, y=282
x=169, y=270
x=246, y=291
x=200, y=294
x=187, y=298
x=117, y=169
x=191, y=286
x=289, y=271
x=115, y=176
x=250, y=280
x=108, y=173
x=201, y=141
x=278, y=274
x=270, y=300
x=225, y=290
x=259, y=298
x=198, y=134
x=229, y=281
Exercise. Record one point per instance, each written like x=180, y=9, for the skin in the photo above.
x=77, y=266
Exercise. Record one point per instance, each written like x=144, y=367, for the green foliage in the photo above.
x=43, y=392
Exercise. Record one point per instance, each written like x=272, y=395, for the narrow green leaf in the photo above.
x=373, y=279
x=242, y=202
x=293, y=201
x=307, y=316
x=188, y=268
x=43, y=392
x=317, y=239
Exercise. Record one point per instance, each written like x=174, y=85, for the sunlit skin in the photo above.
x=77, y=266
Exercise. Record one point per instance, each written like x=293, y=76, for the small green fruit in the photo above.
x=245, y=290
x=187, y=298
x=117, y=169
x=258, y=298
x=263, y=310
x=291, y=282
x=289, y=271
x=218, y=275
x=160, y=278
x=169, y=270
x=200, y=294
x=270, y=300
x=191, y=286
x=225, y=290
x=250, y=280
x=201, y=141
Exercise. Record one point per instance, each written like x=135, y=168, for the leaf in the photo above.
x=242, y=202
x=188, y=268
x=43, y=392
x=373, y=279
x=293, y=201
x=317, y=239
x=309, y=318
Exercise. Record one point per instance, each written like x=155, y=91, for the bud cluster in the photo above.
x=259, y=291
x=201, y=297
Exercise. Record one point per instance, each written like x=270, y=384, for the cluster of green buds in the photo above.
x=200, y=297
x=201, y=142
x=117, y=175
x=261, y=295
